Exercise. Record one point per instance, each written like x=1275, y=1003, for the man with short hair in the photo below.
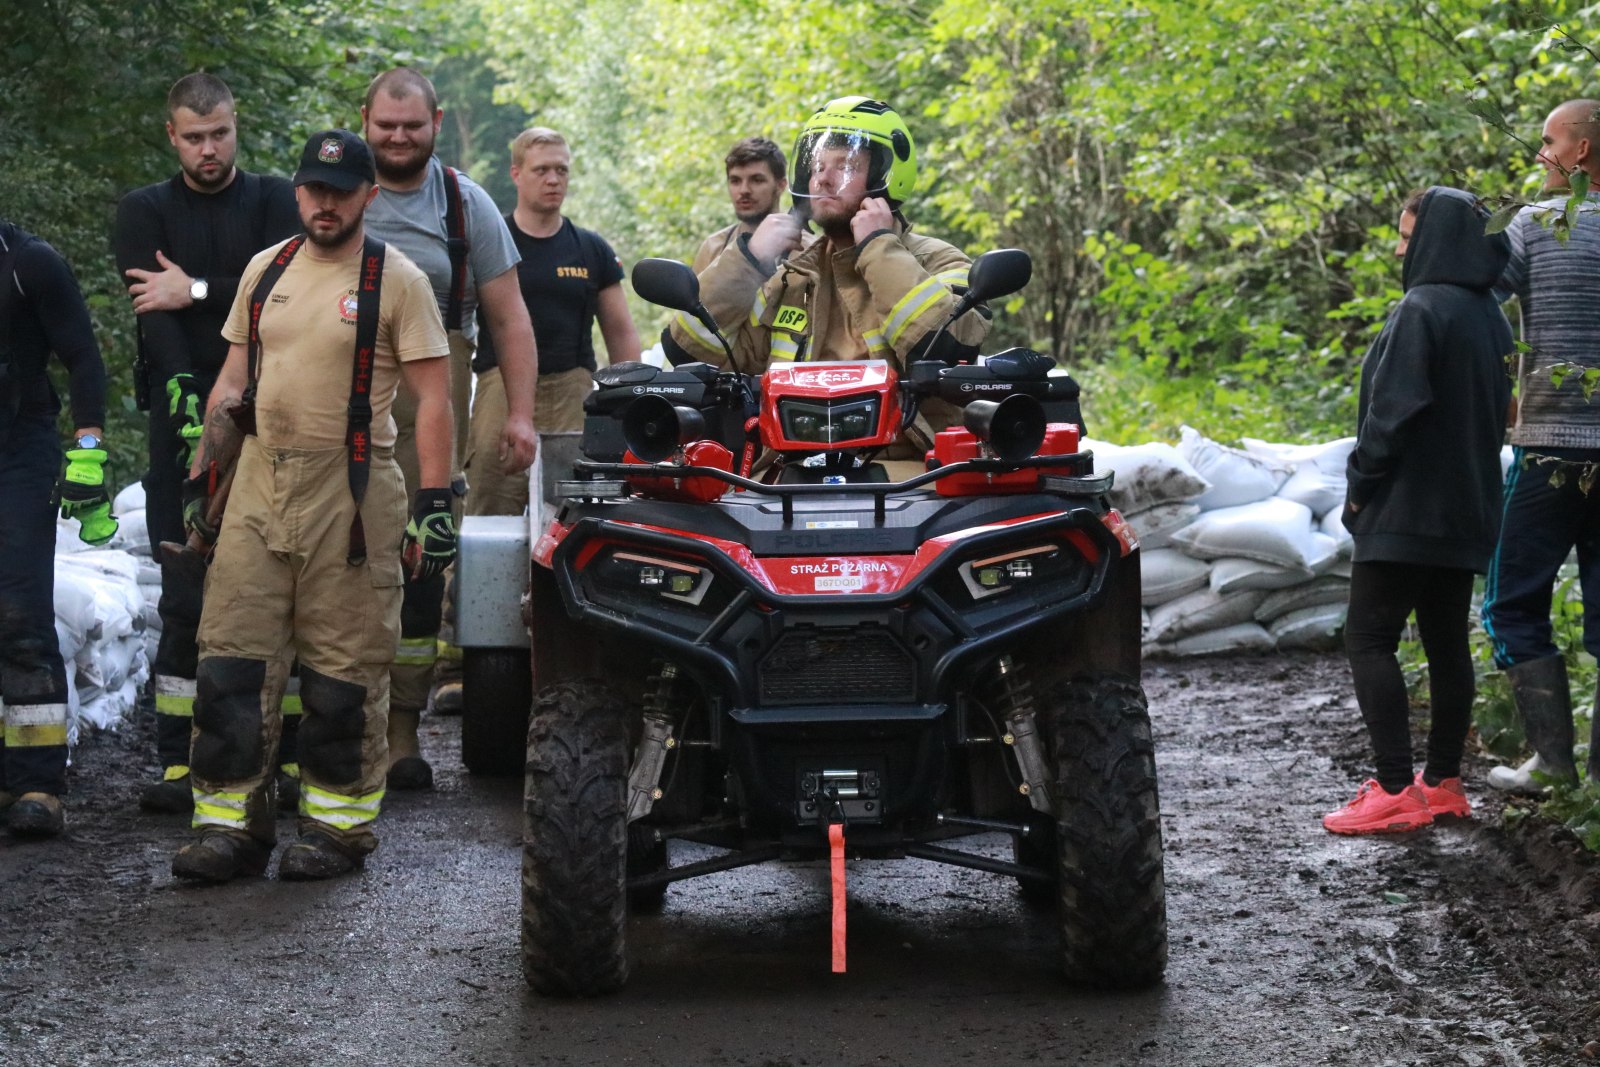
x=182, y=244
x=757, y=179
x=41, y=311
x=1557, y=286
x=569, y=279
x=868, y=289
x=450, y=228
x=310, y=559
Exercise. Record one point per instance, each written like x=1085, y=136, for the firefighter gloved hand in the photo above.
x=187, y=411
x=84, y=496
x=196, y=504
x=430, y=543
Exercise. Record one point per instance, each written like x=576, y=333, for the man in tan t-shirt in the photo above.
x=309, y=562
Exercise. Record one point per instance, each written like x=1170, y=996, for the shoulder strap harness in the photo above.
x=358, y=419
x=455, y=226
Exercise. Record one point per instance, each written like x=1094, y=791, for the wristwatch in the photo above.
x=198, y=289
x=88, y=440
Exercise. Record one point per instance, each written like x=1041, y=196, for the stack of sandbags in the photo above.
x=1236, y=556
x=100, y=629
x=133, y=537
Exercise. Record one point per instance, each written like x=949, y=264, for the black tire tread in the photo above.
x=1112, y=888
x=496, y=695
x=575, y=842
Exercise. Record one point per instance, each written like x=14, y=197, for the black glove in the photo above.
x=430, y=542
x=196, y=501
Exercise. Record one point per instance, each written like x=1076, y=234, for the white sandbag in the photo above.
x=1146, y=475
x=1155, y=526
x=1318, y=480
x=108, y=710
x=119, y=608
x=1236, y=476
x=77, y=618
x=1340, y=568
x=1332, y=524
x=1241, y=637
x=1313, y=628
x=1144, y=620
x=1167, y=574
x=1203, y=610
x=111, y=562
x=1311, y=594
x=149, y=572
x=1271, y=531
x=1232, y=575
x=130, y=499
x=132, y=535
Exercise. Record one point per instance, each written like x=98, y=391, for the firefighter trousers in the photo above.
x=33, y=680
x=281, y=586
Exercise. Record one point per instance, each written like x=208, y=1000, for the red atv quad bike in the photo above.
x=821, y=662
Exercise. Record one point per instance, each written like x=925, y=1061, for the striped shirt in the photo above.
x=1558, y=288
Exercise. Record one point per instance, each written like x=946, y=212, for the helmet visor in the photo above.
x=839, y=163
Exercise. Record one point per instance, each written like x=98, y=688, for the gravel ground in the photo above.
x=1468, y=943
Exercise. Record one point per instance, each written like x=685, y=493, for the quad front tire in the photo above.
x=575, y=842
x=1112, y=888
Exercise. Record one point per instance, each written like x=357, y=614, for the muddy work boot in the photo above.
x=288, y=787
x=1543, y=700
x=317, y=856
x=171, y=795
x=446, y=699
x=407, y=768
x=220, y=856
x=35, y=815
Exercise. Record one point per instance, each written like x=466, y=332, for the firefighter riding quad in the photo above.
x=818, y=660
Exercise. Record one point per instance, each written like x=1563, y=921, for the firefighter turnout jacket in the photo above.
x=882, y=299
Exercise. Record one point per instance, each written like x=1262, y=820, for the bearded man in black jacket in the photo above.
x=1424, y=502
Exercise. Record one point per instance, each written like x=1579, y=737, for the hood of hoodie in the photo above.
x=1448, y=245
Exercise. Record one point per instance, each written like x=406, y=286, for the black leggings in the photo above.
x=1382, y=595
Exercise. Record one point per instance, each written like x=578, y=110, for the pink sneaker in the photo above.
x=1446, y=798
x=1375, y=812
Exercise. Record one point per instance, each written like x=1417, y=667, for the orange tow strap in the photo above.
x=836, y=849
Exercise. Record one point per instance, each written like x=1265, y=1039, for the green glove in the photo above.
x=84, y=496
x=187, y=411
x=430, y=541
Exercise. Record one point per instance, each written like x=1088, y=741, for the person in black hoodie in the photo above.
x=1424, y=502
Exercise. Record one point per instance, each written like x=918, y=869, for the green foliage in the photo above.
x=82, y=98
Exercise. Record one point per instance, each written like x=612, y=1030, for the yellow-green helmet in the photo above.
x=864, y=123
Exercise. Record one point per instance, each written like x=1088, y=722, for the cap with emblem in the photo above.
x=336, y=157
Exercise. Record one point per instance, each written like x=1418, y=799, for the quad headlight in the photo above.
x=823, y=423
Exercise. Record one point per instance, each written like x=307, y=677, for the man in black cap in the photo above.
x=310, y=560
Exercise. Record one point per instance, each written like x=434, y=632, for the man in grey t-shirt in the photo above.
x=1557, y=285
x=400, y=120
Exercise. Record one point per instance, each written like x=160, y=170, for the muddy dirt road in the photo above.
x=1464, y=944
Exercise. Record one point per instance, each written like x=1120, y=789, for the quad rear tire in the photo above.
x=496, y=695
x=575, y=842
x=1112, y=888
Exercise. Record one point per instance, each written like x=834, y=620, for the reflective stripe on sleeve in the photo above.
x=338, y=810
x=784, y=346
x=35, y=725
x=922, y=296
x=697, y=329
x=759, y=308
x=876, y=344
